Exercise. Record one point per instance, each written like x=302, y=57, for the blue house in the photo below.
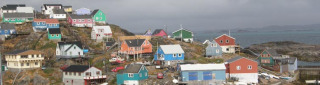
x=133, y=74
x=213, y=49
x=6, y=29
x=169, y=54
x=83, y=11
x=44, y=24
x=204, y=74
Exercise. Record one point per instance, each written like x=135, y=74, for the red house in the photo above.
x=160, y=33
x=227, y=43
x=246, y=70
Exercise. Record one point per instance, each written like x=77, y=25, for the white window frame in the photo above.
x=174, y=55
x=140, y=75
x=221, y=41
x=146, y=74
x=130, y=75
x=82, y=20
x=57, y=35
x=217, y=51
x=79, y=20
x=179, y=55
x=238, y=67
x=74, y=20
x=89, y=20
x=249, y=67
x=52, y=35
x=227, y=41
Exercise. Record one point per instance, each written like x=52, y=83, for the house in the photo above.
x=24, y=59
x=206, y=42
x=266, y=57
x=25, y=10
x=17, y=18
x=227, y=43
x=160, y=33
x=99, y=33
x=170, y=54
x=135, y=47
x=109, y=44
x=67, y=9
x=148, y=33
x=80, y=20
x=133, y=74
x=6, y=30
x=69, y=50
x=183, y=34
x=82, y=75
x=58, y=14
x=54, y=34
x=47, y=9
x=98, y=16
x=245, y=70
x=10, y=8
x=45, y=24
x=82, y=11
x=286, y=63
x=203, y=74
x=213, y=49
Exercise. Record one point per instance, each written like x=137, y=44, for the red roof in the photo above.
x=46, y=20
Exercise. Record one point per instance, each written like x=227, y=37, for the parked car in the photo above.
x=116, y=59
x=159, y=67
x=160, y=75
x=146, y=63
x=117, y=69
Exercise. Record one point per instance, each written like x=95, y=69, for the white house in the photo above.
x=82, y=75
x=100, y=32
x=69, y=50
x=48, y=8
x=24, y=59
x=10, y=8
x=25, y=9
x=58, y=14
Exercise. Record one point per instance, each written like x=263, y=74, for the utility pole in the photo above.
x=1, y=69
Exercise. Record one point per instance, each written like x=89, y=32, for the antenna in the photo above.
x=229, y=32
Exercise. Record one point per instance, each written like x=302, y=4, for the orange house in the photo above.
x=246, y=70
x=136, y=46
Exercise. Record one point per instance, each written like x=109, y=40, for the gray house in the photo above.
x=213, y=49
x=287, y=64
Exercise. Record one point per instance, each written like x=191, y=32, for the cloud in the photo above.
x=139, y=15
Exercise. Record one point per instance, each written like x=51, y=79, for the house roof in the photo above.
x=25, y=9
x=148, y=32
x=206, y=42
x=7, y=26
x=67, y=6
x=12, y=6
x=18, y=15
x=77, y=68
x=272, y=52
x=132, y=68
x=135, y=42
x=23, y=52
x=182, y=29
x=156, y=31
x=74, y=16
x=52, y=4
x=171, y=49
x=225, y=35
x=237, y=58
x=94, y=12
x=107, y=29
x=110, y=43
x=290, y=60
x=201, y=67
x=58, y=11
x=54, y=31
x=78, y=43
x=46, y=20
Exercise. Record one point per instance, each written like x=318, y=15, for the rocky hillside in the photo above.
x=303, y=52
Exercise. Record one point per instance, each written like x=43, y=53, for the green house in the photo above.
x=54, y=34
x=17, y=18
x=133, y=74
x=266, y=57
x=98, y=16
x=183, y=34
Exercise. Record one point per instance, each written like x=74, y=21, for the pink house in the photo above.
x=81, y=20
x=160, y=33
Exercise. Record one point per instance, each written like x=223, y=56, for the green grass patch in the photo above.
x=99, y=64
x=49, y=45
x=48, y=70
x=204, y=60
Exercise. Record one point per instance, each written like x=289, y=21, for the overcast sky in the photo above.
x=196, y=15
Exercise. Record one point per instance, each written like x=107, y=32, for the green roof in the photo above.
x=185, y=33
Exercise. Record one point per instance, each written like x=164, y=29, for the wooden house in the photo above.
x=98, y=16
x=54, y=34
x=244, y=69
x=213, y=49
x=82, y=75
x=10, y=8
x=47, y=9
x=266, y=57
x=170, y=54
x=17, y=18
x=24, y=59
x=133, y=74
x=6, y=29
x=99, y=33
x=80, y=20
x=183, y=35
x=45, y=24
x=69, y=50
x=67, y=9
x=58, y=14
x=160, y=33
x=227, y=43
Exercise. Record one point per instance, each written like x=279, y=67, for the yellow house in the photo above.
x=24, y=59
x=67, y=8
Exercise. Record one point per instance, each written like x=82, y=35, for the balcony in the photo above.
x=95, y=77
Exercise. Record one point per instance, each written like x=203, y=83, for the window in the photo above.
x=82, y=20
x=100, y=13
x=79, y=20
x=65, y=73
x=89, y=20
x=98, y=72
x=215, y=45
x=74, y=47
x=174, y=55
x=74, y=73
x=27, y=64
x=249, y=67
x=21, y=64
x=57, y=35
x=79, y=74
x=32, y=56
x=36, y=63
x=100, y=18
x=18, y=19
x=97, y=17
x=221, y=41
x=227, y=41
x=38, y=23
x=5, y=31
x=217, y=51
x=56, y=24
x=227, y=49
x=74, y=20
x=12, y=19
x=146, y=74
x=140, y=75
x=238, y=67
x=70, y=73
x=130, y=74
x=180, y=55
x=52, y=35
x=88, y=74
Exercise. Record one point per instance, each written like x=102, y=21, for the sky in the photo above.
x=196, y=15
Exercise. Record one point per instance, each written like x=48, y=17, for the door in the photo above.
x=193, y=76
x=207, y=75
